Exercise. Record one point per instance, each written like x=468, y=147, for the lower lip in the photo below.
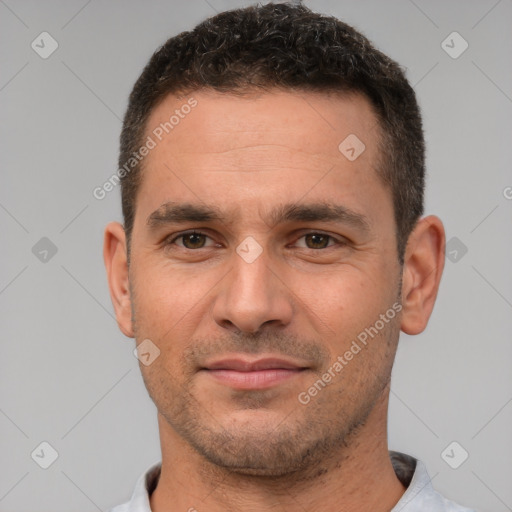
x=258, y=379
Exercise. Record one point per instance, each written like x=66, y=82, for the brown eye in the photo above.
x=317, y=241
x=194, y=240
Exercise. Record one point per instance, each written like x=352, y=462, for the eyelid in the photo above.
x=338, y=239
x=171, y=239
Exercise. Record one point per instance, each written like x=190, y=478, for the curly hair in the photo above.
x=286, y=46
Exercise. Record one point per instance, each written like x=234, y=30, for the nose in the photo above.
x=253, y=297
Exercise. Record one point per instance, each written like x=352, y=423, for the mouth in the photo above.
x=243, y=373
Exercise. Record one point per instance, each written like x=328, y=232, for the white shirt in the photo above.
x=420, y=496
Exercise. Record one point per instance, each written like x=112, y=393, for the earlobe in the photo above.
x=423, y=267
x=116, y=264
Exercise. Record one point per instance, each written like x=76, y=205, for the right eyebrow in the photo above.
x=176, y=213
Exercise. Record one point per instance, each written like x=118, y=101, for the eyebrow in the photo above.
x=319, y=212
x=178, y=213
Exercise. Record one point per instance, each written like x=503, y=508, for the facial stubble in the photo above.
x=298, y=441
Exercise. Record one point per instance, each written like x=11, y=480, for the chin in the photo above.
x=275, y=451
x=255, y=465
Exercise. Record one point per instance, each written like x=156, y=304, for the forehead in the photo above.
x=239, y=150
x=301, y=122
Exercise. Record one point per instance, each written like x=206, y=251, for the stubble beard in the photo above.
x=307, y=439
x=301, y=444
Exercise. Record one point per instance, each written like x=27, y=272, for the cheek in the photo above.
x=167, y=300
x=343, y=304
x=338, y=294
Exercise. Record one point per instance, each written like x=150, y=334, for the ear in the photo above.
x=423, y=267
x=116, y=264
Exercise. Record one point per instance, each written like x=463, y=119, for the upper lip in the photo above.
x=246, y=365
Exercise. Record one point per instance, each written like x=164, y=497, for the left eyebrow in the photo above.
x=319, y=212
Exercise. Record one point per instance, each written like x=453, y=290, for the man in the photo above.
x=272, y=171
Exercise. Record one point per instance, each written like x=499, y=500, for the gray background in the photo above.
x=68, y=376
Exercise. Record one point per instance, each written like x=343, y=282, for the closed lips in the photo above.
x=241, y=365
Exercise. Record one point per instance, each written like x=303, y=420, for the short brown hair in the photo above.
x=291, y=47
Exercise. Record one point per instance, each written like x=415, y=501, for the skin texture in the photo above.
x=305, y=298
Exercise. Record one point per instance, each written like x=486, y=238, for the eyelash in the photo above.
x=173, y=238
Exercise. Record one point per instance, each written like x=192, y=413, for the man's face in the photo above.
x=259, y=253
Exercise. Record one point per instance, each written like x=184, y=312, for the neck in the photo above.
x=357, y=476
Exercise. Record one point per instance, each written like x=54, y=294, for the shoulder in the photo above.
x=145, y=485
x=121, y=508
x=419, y=495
